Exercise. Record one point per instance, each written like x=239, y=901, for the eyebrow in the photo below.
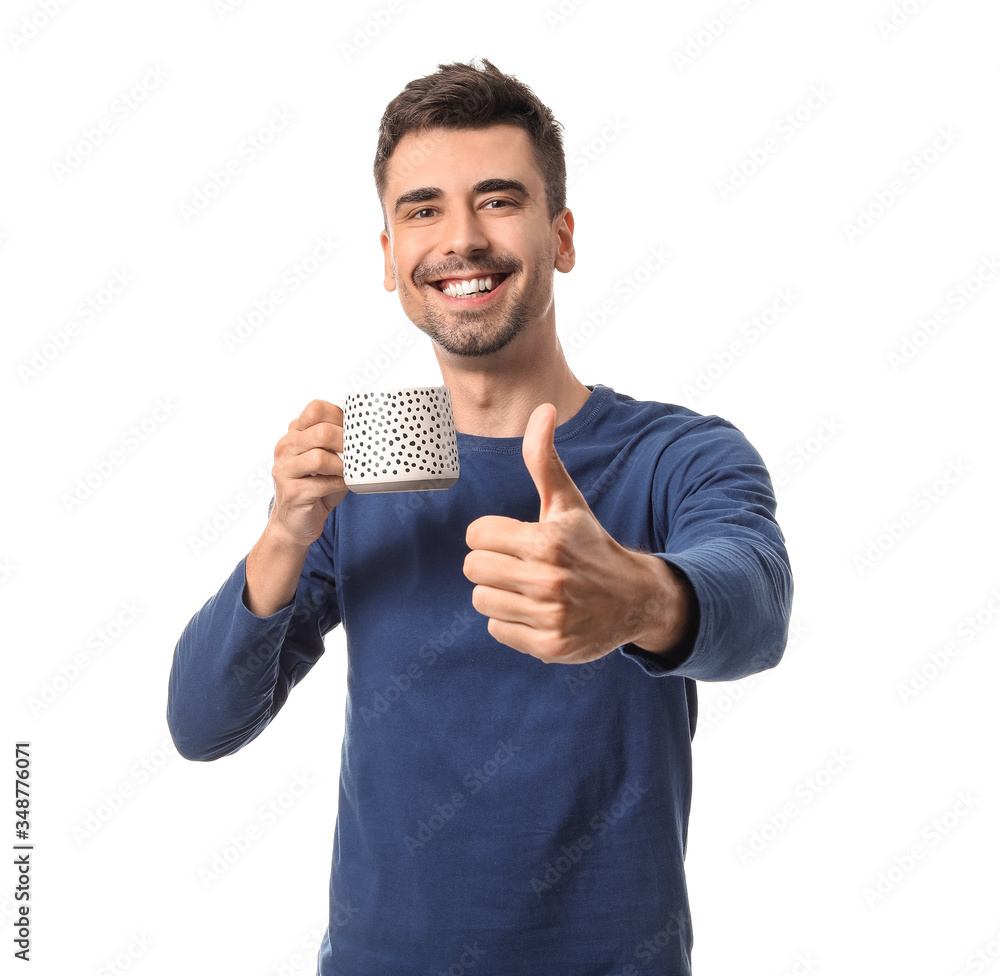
x=422, y=194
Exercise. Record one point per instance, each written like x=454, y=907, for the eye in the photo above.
x=423, y=212
x=497, y=204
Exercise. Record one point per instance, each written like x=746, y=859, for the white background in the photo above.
x=890, y=555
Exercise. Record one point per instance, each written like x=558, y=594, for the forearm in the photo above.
x=225, y=674
x=273, y=568
x=241, y=654
x=665, y=611
x=743, y=591
x=233, y=669
x=717, y=531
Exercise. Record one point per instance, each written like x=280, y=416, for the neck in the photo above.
x=493, y=396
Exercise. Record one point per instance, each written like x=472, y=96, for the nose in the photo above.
x=462, y=232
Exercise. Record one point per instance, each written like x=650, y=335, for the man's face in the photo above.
x=464, y=206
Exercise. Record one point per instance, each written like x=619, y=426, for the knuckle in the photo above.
x=286, y=443
x=557, y=648
x=317, y=459
x=565, y=646
x=312, y=412
x=319, y=434
x=556, y=619
x=553, y=585
x=550, y=545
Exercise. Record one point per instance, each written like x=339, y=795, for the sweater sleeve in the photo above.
x=714, y=510
x=232, y=671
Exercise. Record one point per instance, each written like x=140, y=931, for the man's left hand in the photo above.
x=562, y=589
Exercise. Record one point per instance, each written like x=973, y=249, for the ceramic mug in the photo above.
x=399, y=440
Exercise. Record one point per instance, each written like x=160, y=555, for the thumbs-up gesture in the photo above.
x=562, y=589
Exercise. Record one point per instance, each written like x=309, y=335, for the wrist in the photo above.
x=664, y=619
x=277, y=540
x=272, y=572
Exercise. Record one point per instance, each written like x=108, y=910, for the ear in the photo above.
x=566, y=253
x=389, y=281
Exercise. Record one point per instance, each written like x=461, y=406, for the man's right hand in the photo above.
x=308, y=475
x=308, y=485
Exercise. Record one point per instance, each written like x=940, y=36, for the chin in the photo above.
x=466, y=340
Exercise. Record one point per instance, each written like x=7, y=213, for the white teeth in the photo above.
x=468, y=287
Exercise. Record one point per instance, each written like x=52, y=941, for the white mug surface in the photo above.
x=399, y=440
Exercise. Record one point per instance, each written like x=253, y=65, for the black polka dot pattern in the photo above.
x=398, y=436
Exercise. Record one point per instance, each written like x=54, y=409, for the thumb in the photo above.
x=556, y=489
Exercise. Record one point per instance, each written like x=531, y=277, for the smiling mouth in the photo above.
x=464, y=287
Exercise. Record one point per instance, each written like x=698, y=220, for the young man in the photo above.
x=496, y=814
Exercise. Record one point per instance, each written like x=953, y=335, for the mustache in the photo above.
x=501, y=263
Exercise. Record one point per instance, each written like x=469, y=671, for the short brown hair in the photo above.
x=461, y=96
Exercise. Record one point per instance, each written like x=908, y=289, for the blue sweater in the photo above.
x=498, y=815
